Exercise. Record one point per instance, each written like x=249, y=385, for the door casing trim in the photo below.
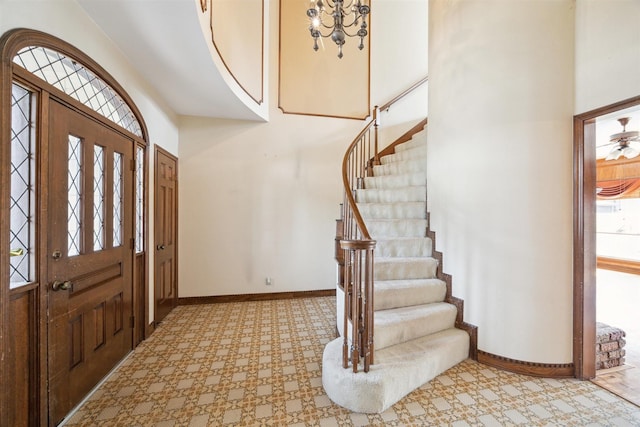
x=584, y=236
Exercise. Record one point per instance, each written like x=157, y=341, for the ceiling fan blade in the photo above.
x=630, y=153
x=614, y=154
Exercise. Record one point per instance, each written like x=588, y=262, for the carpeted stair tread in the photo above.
x=398, y=325
x=418, y=140
x=396, y=268
x=393, y=210
x=395, y=181
x=408, y=154
x=397, y=371
x=403, y=247
x=380, y=228
x=409, y=166
x=416, y=193
x=404, y=293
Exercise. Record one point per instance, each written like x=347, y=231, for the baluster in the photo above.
x=369, y=307
x=355, y=314
x=348, y=288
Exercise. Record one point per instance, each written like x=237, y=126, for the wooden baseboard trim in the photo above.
x=472, y=330
x=217, y=299
x=151, y=327
x=547, y=370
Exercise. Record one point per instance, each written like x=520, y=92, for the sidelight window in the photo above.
x=139, y=199
x=22, y=193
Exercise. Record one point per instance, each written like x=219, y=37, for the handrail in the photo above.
x=350, y=199
x=417, y=84
x=356, y=244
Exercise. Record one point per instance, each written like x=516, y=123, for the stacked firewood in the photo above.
x=610, y=343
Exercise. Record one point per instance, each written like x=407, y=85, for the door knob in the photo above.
x=160, y=247
x=61, y=286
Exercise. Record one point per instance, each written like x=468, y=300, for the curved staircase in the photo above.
x=415, y=317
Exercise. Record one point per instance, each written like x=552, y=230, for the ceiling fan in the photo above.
x=622, y=141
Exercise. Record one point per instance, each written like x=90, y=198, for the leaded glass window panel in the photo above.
x=22, y=192
x=74, y=204
x=117, y=199
x=80, y=83
x=98, y=198
x=139, y=199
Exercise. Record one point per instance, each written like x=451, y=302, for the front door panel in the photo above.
x=89, y=255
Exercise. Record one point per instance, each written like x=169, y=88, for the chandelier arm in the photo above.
x=325, y=36
x=350, y=35
x=356, y=21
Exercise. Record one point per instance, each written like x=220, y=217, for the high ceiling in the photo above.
x=164, y=42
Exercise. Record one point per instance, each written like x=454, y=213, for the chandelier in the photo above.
x=623, y=140
x=337, y=17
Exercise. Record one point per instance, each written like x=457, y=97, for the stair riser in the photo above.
x=405, y=194
x=420, y=247
x=421, y=268
x=400, y=167
x=414, y=293
x=397, y=228
x=409, y=210
x=406, y=329
x=395, y=181
x=408, y=154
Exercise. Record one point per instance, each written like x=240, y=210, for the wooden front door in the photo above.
x=166, y=286
x=89, y=255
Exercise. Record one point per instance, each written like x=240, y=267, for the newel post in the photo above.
x=358, y=303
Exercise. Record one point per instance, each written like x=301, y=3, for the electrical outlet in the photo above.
x=268, y=281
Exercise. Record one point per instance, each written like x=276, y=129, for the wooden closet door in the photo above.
x=166, y=292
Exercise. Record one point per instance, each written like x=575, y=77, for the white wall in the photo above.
x=607, y=52
x=260, y=200
x=66, y=20
x=500, y=168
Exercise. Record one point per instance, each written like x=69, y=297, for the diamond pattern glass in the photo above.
x=22, y=192
x=98, y=198
x=74, y=203
x=139, y=199
x=78, y=82
x=117, y=199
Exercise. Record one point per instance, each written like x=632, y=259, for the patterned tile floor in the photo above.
x=618, y=296
x=259, y=363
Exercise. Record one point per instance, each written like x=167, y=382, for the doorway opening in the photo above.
x=607, y=248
